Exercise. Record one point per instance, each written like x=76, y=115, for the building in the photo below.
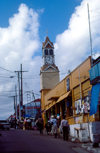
x=70, y=97
x=95, y=98
x=32, y=109
x=49, y=73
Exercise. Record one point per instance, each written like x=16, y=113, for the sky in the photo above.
x=24, y=25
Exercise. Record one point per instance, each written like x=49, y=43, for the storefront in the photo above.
x=71, y=97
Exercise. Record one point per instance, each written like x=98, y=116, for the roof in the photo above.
x=56, y=99
x=63, y=96
x=53, y=98
x=37, y=100
x=47, y=65
x=97, y=60
x=47, y=40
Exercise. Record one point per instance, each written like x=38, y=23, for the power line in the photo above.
x=4, y=95
x=8, y=91
x=6, y=69
x=6, y=76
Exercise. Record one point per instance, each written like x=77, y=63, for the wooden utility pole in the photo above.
x=20, y=84
x=16, y=101
x=21, y=100
x=19, y=92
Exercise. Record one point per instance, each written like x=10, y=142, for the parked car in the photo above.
x=4, y=125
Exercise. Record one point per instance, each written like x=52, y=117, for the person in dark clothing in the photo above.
x=65, y=133
x=65, y=128
x=48, y=127
x=40, y=125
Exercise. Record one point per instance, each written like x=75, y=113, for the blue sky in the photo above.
x=23, y=28
x=53, y=20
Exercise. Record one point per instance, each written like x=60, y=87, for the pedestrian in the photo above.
x=40, y=124
x=58, y=121
x=48, y=127
x=29, y=123
x=58, y=125
x=24, y=124
x=54, y=126
x=65, y=128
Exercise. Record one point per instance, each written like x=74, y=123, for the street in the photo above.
x=19, y=141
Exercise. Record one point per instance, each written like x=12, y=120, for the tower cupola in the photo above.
x=48, y=52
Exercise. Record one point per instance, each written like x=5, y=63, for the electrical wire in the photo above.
x=6, y=69
x=4, y=95
x=9, y=91
x=1, y=76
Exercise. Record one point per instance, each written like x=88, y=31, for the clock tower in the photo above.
x=48, y=52
x=49, y=73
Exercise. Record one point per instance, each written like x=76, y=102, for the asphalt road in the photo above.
x=19, y=141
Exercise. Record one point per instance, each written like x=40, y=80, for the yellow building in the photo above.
x=70, y=97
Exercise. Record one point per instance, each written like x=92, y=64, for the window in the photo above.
x=68, y=84
x=69, y=107
x=51, y=52
x=46, y=52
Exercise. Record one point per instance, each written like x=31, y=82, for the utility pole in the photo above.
x=90, y=34
x=21, y=100
x=16, y=101
x=19, y=92
x=91, y=53
x=20, y=84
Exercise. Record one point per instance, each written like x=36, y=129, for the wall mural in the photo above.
x=82, y=107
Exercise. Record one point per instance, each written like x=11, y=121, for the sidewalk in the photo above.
x=89, y=147
x=86, y=146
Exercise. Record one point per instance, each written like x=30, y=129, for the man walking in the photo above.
x=65, y=128
x=40, y=124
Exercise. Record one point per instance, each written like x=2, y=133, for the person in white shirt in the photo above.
x=65, y=128
x=54, y=126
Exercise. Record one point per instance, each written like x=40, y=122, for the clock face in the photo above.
x=49, y=60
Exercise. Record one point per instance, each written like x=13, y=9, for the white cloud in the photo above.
x=20, y=40
x=73, y=46
x=18, y=44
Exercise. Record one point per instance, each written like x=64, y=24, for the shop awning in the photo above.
x=63, y=97
x=49, y=105
x=53, y=98
x=56, y=100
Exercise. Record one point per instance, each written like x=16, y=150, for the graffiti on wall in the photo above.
x=82, y=106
